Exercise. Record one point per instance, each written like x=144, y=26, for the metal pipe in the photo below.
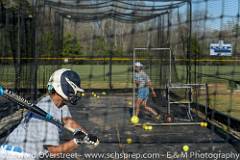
x=171, y=124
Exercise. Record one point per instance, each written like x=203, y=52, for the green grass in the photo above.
x=91, y=75
x=222, y=98
x=122, y=73
x=225, y=71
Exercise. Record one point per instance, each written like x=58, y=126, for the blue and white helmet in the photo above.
x=66, y=83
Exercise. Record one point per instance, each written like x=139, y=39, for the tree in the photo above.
x=71, y=45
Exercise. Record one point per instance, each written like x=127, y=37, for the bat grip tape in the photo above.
x=48, y=117
x=1, y=91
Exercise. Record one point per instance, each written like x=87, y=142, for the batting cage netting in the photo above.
x=189, y=50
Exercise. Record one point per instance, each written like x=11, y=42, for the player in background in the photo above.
x=143, y=84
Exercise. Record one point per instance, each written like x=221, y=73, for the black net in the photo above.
x=58, y=33
x=198, y=54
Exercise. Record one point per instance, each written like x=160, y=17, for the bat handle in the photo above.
x=1, y=91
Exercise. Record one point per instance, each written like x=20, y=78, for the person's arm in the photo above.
x=70, y=145
x=71, y=123
x=66, y=147
x=137, y=83
x=152, y=89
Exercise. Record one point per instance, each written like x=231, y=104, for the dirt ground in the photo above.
x=108, y=117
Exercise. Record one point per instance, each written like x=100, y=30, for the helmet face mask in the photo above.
x=66, y=83
x=73, y=99
x=136, y=69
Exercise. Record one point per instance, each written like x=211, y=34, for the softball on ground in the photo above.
x=205, y=124
x=150, y=128
x=144, y=126
x=104, y=93
x=135, y=119
x=129, y=140
x=202, y=124
x=185, y=148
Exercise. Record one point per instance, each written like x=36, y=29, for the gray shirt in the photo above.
x=33, y=133
x=142, y=78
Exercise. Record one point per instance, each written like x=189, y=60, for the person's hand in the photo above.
x=154, y=94
x=81, y=137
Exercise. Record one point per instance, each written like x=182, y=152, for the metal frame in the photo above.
x=151, y=49
x=189, y=102
x=171, y=124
